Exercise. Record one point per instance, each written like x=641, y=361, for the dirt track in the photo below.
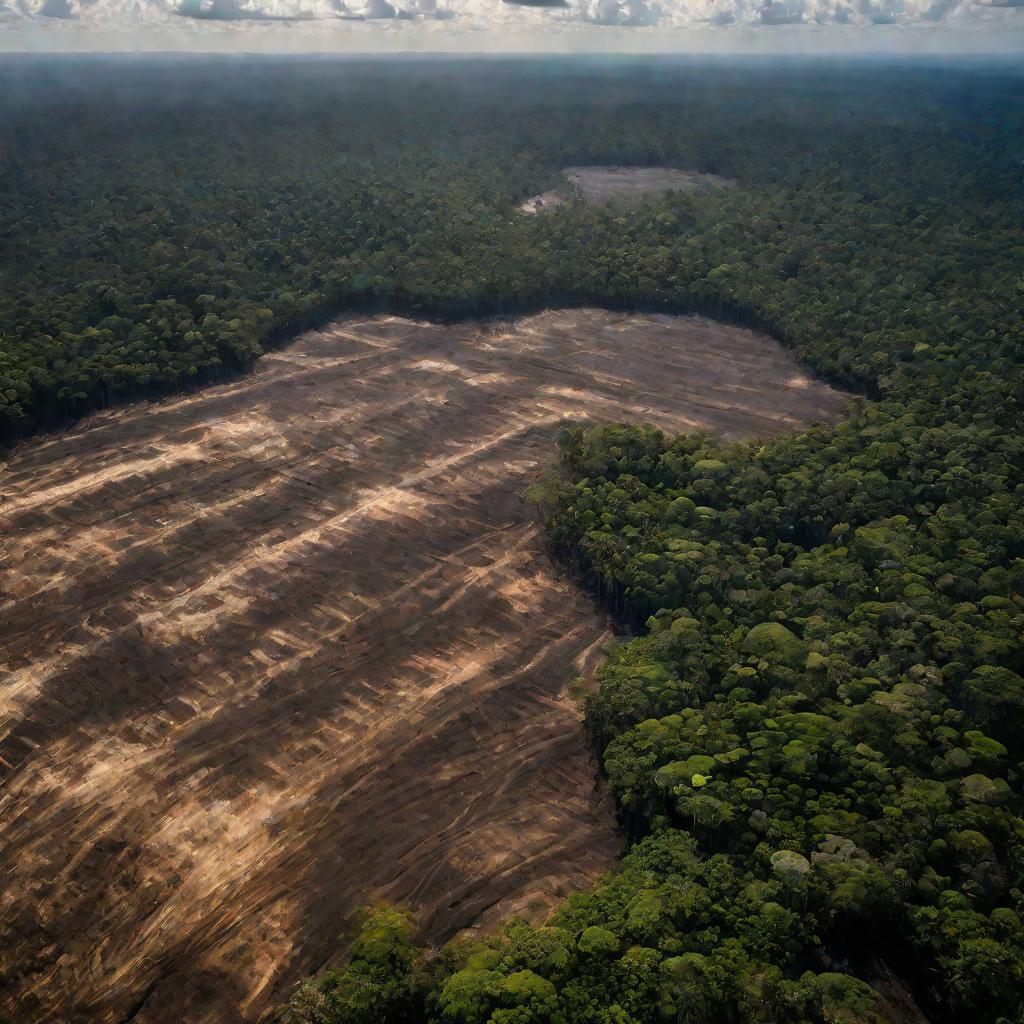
x=291, y=643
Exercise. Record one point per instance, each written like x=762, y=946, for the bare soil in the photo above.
x=292, y=643
x=599, y=184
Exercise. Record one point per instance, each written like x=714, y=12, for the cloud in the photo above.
x=547, y=19
x=57, y=9
x=864, y=14
x=939, y=9
x=341, y=10
x=621, y=12
x=381, y=9
x=230, y=10
x=782, y=12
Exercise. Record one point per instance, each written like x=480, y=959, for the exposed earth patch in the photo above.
x=599, y=184
x=292, y=643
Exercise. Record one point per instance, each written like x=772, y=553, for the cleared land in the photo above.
x=291, y=643
x=598, y=184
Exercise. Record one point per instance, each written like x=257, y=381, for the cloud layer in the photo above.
x=511, y=18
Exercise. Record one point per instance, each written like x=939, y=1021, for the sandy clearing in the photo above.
x=599, y=184
x=292, y=643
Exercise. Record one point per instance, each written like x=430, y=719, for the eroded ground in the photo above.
x=598, y=184
x=291, y=643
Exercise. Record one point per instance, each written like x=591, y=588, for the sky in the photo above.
x=540, y=26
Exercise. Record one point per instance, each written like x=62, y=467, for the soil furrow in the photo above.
x=293, y=642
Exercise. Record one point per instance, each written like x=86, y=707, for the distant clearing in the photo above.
x=292, y=643
x=599, y=184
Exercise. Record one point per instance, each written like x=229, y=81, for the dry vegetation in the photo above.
x=290, y=643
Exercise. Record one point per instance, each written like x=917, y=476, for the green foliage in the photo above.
x=597, y=941
x=840, y=703
x=815, y=741
x=773, y=642
x=831, y=682
x=829, y=688
x=385, y=978
x=155, y=236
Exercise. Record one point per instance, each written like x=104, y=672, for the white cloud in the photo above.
x=620, y=12
x=509, y=25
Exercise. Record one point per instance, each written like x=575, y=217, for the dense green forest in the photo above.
x=160, y=224
x=815, y=738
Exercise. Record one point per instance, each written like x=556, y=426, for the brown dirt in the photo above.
x=292, y=643
x=599, y=184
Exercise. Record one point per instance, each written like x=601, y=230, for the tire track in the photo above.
x=291, y=643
